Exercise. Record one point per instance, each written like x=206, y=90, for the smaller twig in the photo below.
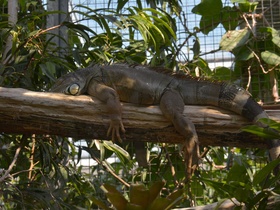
x=22, y=171
x=32, y=157
x=235, y=202
x=205, y=151
x=210, y=52
x=259, y=61
x=7, y=172
x=249, y=78
x=44, y=31
x=8, y=59
x=173, y=172
x=248, y=24
x=219, y=166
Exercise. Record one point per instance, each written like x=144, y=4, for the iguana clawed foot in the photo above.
x=191, y=156
x=115, y=126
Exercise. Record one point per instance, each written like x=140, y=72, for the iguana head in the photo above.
x=70, y=84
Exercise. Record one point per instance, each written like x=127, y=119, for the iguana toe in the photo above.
x=114, y=130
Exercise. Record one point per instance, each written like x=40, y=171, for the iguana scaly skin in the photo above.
x=144, y=86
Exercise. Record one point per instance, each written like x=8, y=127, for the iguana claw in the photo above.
x=114, y=129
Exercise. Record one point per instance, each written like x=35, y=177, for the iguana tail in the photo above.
x=230, y=97
x=237, y=99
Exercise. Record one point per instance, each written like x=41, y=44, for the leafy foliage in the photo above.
x=255, y=48
x=269, y=132
x=250, y=190
x=140, y=197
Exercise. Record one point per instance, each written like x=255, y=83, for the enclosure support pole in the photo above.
x=13, y=18
x=59, y=35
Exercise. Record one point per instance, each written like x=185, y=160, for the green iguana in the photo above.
x=144, y=86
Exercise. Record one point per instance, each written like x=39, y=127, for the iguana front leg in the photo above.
x=172, y=107
x=110, y=97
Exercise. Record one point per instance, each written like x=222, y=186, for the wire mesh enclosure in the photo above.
x=188, y=21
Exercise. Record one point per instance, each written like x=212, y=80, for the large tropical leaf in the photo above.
x=233, y=39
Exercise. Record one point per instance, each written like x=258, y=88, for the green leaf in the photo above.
x=256, y=199
x=80, y=29
x=271, y=58
x=79, y=155
x=271, y=123
x=108, y=166
x=242, y=194
x=242, y=53
x=237, y=173
x=203, y=66
x=107, y=28
x=120, y=5
x=174, y=198
x=218, y=155
x=222, y=73
x=196, y=48
x=117, y=200
x=100, y=146
x=224, y=189
x=275, y=37
x=49, y=70
x=159, y=203
x=63, y=172
x=14, y=41
x=115, y=197
x=234, y=39
x=208, y=7
x=261, y=132
x=131, y=206
x=265, y=171
x=230, y=17
x=120, y=152
x=139, y=195
x=99, y=203
x=248, y=6
x=209, y=23
x=33, y=33
x=156, y=30
x=155, y=190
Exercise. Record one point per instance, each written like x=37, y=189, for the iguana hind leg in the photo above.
x=110, y=97
x=172, y=107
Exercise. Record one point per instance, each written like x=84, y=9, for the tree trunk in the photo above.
x=29, y=112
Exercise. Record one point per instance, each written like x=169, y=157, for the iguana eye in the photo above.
x=73, y=89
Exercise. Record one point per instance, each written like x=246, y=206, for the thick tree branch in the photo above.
x=28, y=112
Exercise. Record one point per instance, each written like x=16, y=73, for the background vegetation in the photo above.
x=41, y=171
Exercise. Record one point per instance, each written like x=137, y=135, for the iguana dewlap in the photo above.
x=144, y=86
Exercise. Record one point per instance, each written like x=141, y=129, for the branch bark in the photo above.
x=28, y=112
